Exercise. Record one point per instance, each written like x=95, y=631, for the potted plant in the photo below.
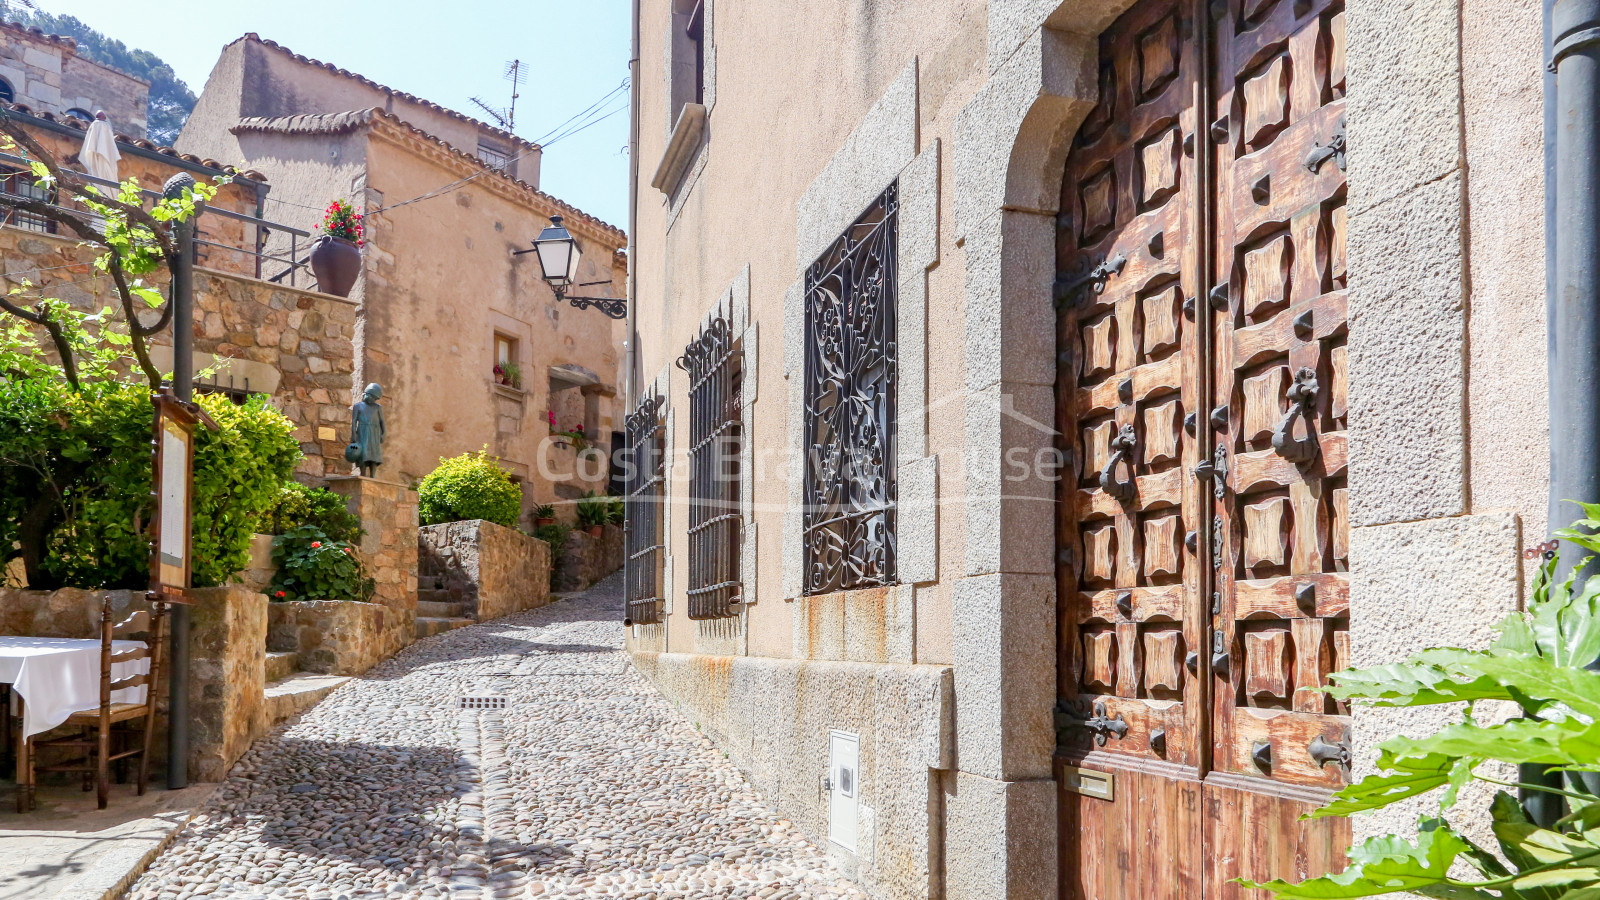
x=336, y=255
x=593, y=513
x=512, y=373
x=544, y=514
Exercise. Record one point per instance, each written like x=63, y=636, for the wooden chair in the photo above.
x=95, y=742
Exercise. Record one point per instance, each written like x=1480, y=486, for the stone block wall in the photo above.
x=493, y=570
x=227, y=677
x=295, y=345
x=389, y=514
x=47, y=75
x=303, y=340
x=773, y=718
x=227, y=666
x=332, y=637
x=258, y=574
x=586, y=559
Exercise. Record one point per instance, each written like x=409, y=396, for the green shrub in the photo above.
x=555, y=536
x=593, y=510
x=298, y=505
x=616, y=511
x=469, y=486
x=1540, y=663
x=313, y=566
x=75, y=482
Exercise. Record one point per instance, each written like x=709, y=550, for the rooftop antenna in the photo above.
x=507, y=117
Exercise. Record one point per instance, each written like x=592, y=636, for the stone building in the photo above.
x=442, y=297
x=255, y=330
x=44, y=73
x=1092, y=404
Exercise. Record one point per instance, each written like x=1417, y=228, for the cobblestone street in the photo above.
x=586, y=784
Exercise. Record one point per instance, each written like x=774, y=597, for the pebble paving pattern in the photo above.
x=586, y=784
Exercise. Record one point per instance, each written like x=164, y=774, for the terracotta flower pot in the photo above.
x=544, y=521
x=596, y=530
x=336, y=262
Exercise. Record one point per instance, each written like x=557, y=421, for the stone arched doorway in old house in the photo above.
x=1202, y=527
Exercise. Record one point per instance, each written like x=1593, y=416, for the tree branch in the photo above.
x=41, y=316
x=74, y=183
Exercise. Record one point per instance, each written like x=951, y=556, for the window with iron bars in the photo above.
x=494, y=157
x=850, y=370
x=646, y=465
x=25, y=184
x=715, y=522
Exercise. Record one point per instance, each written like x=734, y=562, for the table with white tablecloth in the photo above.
x=56, y=677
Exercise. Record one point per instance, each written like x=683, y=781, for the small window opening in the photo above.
x=697, y=32
x=507, y=369
x=494, y=156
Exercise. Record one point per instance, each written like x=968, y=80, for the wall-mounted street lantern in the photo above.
x=558, y=263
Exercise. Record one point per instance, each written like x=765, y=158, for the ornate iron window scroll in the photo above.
x=715, y=523
x=851, y=361
x=645, y=544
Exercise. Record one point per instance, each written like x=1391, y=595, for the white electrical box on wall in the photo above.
x=844, y=788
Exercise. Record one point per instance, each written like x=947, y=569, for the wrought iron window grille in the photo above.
x=850, y=374
x=645, y=544
x=714, y=365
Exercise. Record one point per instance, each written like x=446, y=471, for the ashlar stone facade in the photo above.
x=45, y=73
x=970, y=109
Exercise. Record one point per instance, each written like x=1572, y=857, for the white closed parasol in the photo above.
x=99, y=154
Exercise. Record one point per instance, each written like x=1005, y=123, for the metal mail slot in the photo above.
x=1100, y=785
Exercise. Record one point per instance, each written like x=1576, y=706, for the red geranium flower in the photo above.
x=316, y=545
x=280, y=595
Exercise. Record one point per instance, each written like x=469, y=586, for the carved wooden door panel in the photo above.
x=1202, y=532
x=1127, y=392
x=1278, y=384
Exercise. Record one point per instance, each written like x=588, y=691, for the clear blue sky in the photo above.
x=447, y=52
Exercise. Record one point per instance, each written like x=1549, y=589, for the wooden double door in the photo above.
x=1202, y=530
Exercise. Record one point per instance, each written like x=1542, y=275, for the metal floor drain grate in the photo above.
x=483, y=702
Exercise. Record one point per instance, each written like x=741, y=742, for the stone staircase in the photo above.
x=290, y=691
x=436, y=612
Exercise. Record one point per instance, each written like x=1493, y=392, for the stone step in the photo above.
x=293, y=695
x=429, y=582
x=429, y=626
x=281, y=665
x=435, y=609
x=432, y=595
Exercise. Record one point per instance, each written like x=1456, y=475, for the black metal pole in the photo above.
x=183, y=389
x=1572, y=241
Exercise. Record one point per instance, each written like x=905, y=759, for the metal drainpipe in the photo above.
x=1572, y=241
x=631, y=358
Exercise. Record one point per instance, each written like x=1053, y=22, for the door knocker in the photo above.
x=1121, y=449
x=1302, y=399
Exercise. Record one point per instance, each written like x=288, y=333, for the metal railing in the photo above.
x=645, y=541
x=715, y=520
x=293, y=265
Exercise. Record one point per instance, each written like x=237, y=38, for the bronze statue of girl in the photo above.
x=367, y=432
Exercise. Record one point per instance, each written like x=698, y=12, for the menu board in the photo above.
x=172, y=447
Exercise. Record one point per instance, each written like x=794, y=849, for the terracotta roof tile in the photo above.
x=38, y=32
x=362, y=79
x=141, y=143
x=313, y=123
x=345, y=122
